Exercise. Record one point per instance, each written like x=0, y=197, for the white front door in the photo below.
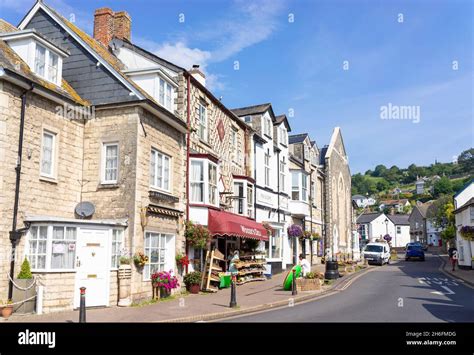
x=92, y=267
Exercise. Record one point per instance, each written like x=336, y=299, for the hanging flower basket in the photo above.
x=197, y=235
x=467, y=232
x=295, y=231
x=140, y=259
x=315, y=236
x=306, y=235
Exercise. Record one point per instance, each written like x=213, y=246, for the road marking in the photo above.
x=449, y=290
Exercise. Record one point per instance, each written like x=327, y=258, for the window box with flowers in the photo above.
x=163, y=282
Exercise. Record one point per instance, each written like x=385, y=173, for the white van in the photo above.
x=377, y=253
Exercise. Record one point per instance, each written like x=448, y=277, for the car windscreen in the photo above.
x=414, y=247
x=374, y=248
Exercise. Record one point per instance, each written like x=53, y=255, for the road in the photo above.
x=404, y=291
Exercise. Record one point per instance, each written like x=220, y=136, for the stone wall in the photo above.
x=38, y=196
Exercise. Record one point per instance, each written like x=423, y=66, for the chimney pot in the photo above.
x=109, y=24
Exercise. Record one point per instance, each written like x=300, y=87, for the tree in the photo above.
x=382, y=185
x=379, y=170
x=466, y=161
x=442, y=186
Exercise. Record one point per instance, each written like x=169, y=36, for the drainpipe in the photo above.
x=255, y=177
x=188, y=140
x=15, y=235
x=278, y=184
x=311, y=213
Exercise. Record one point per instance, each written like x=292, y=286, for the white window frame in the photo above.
x=271, y=239
x=206, y=164
x=250, y=201
x=399, y=230
x=165, y=92
x=239, y=200
x=282, y=174
x=155, y=154
x=203, y=123
x=47, y=72
x=116, y=247
x=283, y=135
x=302, y=188
x=212, y=186
x=295, y=188
x=51, y=174
x=471, y=213
x=235, y=146
x=161, y=249
x=49, y=246
x=105, y=145
x=267, y=170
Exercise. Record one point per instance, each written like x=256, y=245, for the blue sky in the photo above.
x=299, y=66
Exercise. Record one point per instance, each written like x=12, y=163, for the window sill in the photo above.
x=104, y=186
x=207, y=144
x=49, y=179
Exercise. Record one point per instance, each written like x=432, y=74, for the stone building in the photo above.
x=339, y=233
x=125, y=158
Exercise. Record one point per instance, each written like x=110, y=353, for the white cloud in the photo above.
x=182, y=55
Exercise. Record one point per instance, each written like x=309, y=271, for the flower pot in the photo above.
x=194, y=288
x=164, y=292
x=7, y=311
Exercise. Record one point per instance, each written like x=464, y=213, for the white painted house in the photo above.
x=372, y=226
x=363, y=201
x=401, y=229
x=272, y=177
x=464, y=216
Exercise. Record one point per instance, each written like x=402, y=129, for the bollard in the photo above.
x=233, y=295
x=293, y=284
x=82, y=307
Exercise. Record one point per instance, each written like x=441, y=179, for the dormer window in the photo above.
x=46, y=64
x=42, y=56
x=165, y=94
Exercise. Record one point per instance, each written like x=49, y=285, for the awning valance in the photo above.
x=229, y=224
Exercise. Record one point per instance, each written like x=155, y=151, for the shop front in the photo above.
x=237, y=235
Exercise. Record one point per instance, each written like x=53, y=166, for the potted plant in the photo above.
x=193, y=281
x=197, y=235
x=24, y=291
x=164, y=281
x=140, y=259
x=7, y=309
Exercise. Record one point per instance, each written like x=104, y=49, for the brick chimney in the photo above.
x=108, y=25
x=198, y=74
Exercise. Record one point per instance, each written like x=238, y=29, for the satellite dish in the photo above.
x=84, y=209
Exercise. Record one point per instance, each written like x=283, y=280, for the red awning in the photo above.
x=230, y=224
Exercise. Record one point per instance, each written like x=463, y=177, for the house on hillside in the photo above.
x=420, y=186
x=397, y=205
x=418, y=223
x=464, y=219
x=363, y=201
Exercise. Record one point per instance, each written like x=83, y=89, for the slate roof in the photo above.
x=368, y=217
x=358, y=197
x=280, y=119
x=399, y=219
x=251, y=110
x=322, y=156
x=12, y=62
x=470, y=202
x=424, y=208
x=297, y=138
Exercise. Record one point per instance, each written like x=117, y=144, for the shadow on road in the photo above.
x=451, y=301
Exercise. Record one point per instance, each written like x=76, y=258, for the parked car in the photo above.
x=414, y=252
x=377, y=253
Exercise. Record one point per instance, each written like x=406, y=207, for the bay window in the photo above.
x=299, y=186
x=159, y=170
x=203, y=182
x=250, y=201
x=52, y=247
x=238, y=197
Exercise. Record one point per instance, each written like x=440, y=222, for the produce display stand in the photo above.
x=210, y=278
x=250, y=268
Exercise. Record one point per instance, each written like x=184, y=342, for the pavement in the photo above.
x=466, y=276
x=404, y=291
x=251, y=297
